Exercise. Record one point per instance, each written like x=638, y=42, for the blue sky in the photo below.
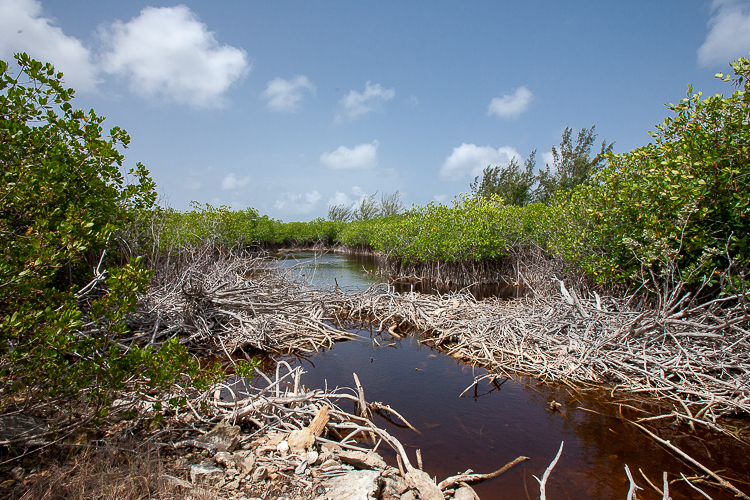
x=289, y=106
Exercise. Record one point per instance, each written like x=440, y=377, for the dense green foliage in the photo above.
x=679, y=204
x=62, y=307
x=162, y=231
x=472, y=229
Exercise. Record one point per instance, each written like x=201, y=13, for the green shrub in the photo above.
x=63, y=196
x=678, y=204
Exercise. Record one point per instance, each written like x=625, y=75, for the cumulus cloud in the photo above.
x=355, y=105
x=231, y=182
x=472, y=159
x=510, y=106
x=548, y=159
x=23, y=29
x=339, y=199
x=168, y=53
x=359, y=157
x=728, y=34
x=298, y=203
x=440, y=198
x=284, y=95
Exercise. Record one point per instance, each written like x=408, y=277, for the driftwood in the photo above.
x=695, y=355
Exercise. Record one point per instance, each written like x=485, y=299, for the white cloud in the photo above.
x=297, y=203
x=440, y=198
x=355, y=104
x=412, y=101
x=548, y=159
x=510, y=106
x=359, y=157
x=472, y=159
x=728, y=35
x=23, y=29
x=167, y=52
x=339, y=199
x=232, y=182
x=284, y=95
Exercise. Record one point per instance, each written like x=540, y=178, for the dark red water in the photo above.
x=494, y=424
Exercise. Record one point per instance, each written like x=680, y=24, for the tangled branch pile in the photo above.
x=225, y=304
x=696, y=355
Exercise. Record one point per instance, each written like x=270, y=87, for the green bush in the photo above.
x=472, y=229
x=63, y=195
x=676, y=205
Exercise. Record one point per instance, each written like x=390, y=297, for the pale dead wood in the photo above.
x=319, y=422
x=545, y=476
x=470, y=478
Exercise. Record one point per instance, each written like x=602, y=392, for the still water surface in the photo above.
x=495, y=423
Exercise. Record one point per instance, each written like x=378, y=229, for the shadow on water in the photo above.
x=496, y=421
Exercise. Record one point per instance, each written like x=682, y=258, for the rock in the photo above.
x=331, y=448
x=409, y=495
x=225, y=459
x=232, y=486
x=355, y=485
x=301, y=441
x=283, y=448
x=362, y=460
x=310, y=457
x=275, y=439
x=463, y=493
x=427, y=488
x=260, y=474
x=245, y=460
x=329, y=463
x=224, y=436
x=205, y=473
x=301, y=468
x=394, y=486
x=13, y=427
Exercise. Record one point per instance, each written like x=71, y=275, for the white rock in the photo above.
x=355, y=485
x=223, y=435
x=283, y=448
x=310, y=457
x=225, y=459
x=409, y=495
x=245, y=461
x=463, y=493
x=205, y=472
x=260, y=474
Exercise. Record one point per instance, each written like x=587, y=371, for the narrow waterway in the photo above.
x=495, y=422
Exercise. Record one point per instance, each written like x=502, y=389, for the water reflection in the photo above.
x=328, y=269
